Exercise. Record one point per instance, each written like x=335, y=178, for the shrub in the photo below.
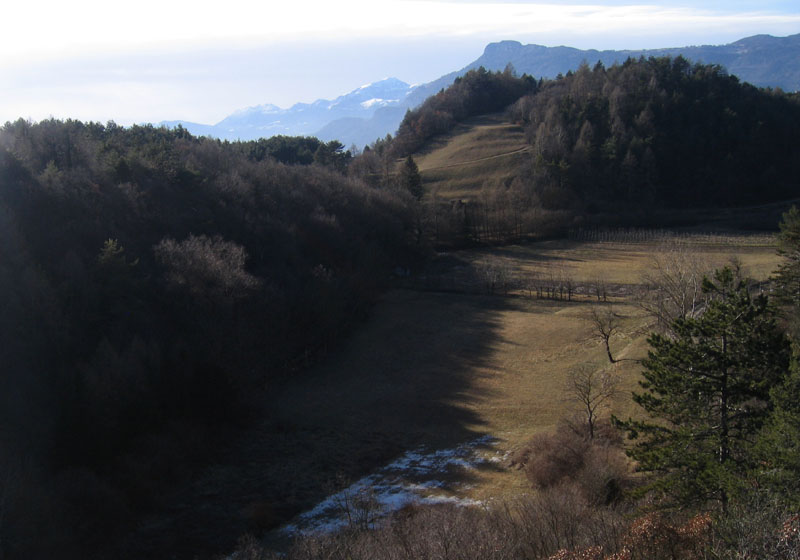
x=596, y=467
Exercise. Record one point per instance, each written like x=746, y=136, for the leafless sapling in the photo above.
x=606, y=323
x=591, y=388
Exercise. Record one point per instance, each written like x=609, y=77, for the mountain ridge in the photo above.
x=762, y=60
x=303, y=119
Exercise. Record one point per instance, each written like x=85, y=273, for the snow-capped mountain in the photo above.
x=303, y=119
x=373, y=110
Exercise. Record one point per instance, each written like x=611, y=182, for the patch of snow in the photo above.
x=499, y=458
x=463, y=502
x=407, y=480
x=267, y=109
x=375, y=101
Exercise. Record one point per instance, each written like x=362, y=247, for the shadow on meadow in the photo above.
x=403, y=380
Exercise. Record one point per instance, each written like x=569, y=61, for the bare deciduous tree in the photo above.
x=592, y=389
x=606, y=324
x=208, y=266
x=496, y=275
x=672, y=289
x=566, y=282
x=360, y=507
x=600, y=288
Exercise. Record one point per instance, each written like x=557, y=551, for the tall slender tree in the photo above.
x=779, y=443
x=411, y=179
x=787, y=277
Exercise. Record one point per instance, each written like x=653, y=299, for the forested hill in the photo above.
x=646, y=133
x=762, y=60
x=476, y=93
x=152, y=284
x=661, y=131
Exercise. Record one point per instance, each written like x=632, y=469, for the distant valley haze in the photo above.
x=201, y=62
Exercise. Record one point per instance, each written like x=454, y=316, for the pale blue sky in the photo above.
x=200, y=60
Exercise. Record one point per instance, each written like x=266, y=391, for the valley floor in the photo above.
x=440, y=362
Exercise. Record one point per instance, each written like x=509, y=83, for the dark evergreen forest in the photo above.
x=660, y=131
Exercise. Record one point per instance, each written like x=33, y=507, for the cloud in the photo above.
x=59, y=29
x=200, y=60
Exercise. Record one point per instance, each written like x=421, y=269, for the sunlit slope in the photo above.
x=484, y=150
x=443, y=367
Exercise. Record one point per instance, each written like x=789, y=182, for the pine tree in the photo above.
x=787, y=277
x=707, y=389
x=411, y=179
x=779, y=444
x=779, y=441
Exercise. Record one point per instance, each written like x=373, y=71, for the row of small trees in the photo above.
x=497, y=276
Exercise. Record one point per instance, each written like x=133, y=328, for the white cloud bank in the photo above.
x=199, y=60
x=57, y=29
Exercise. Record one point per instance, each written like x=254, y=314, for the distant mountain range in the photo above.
x=354, y=111
x=373, y=110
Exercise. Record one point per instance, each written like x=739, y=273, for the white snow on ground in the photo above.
x=413, y=478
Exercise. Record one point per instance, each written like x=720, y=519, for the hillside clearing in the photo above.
x=483, y=150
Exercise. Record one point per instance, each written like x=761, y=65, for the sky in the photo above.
x=199, y=61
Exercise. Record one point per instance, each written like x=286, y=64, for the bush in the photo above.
x=537, y=526
x=596, y=467
x=759, y=527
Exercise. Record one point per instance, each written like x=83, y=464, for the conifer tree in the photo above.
x=779, y=441
x=411, y=179
x=787, y=277
x=707, y=390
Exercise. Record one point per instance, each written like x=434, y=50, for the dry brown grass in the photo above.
x=444, y=365
x=483, y=150
x=625, y=263
x=440, y=368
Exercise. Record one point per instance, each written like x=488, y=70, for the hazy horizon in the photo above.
x=183, y=61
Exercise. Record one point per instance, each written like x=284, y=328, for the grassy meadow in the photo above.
x=438, y=367
x=440, y=362
x=482, y=150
